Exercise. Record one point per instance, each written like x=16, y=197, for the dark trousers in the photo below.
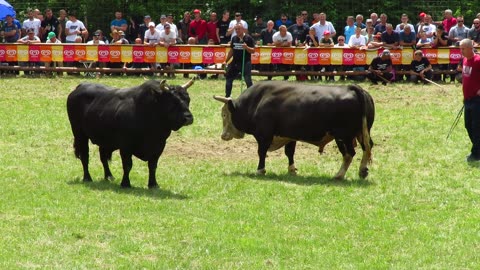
x=427, y=75
x=472, y=124
x=375, y=79
x=232, y=72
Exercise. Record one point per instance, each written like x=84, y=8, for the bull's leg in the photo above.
x=263, y=145
x=290, y=152
x=105, y=157
x=366, y=157
x=127, y=166
x=80, y=144
x=347, y=150
x=152, y=169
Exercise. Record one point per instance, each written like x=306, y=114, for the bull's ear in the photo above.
x=222, y=99
x=231, y=106
x=164, y=85
x=188, y=84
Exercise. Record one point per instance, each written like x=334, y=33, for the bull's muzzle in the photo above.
x=188, y=119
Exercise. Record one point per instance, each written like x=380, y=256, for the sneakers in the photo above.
x=471, y=158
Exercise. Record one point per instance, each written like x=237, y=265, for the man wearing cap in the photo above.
x=52, y=39
x=96, y=39
x=381, y=68
x=30, y=38
x=241, y=48
x=471, y=96
x=258, y=26
x=152, y=35
x=231, y=27
x=10, y=31
x=119, y=23
x=198, y=28
x=121, y=38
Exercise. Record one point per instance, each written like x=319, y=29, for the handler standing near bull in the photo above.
x=471, y=96
x=241, y=48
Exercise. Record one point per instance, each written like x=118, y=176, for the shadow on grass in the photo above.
x=306, y=180
x=103, y=185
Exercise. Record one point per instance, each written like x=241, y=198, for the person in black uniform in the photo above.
x=241, y=48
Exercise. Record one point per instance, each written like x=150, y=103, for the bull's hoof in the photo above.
x=87, y=179
x=154, y=186
x=261, y=172
x=338, y=177
x=292, y=170
x=363, y=173
x=125, y=185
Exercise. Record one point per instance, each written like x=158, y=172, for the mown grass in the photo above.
x=419, y=207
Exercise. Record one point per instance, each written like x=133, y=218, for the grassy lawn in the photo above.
x=419, y=207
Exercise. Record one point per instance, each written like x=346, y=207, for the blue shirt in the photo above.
x=407, y=38
x=348, y=32
x=118, y=22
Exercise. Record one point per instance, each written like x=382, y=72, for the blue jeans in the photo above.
x=472, y=124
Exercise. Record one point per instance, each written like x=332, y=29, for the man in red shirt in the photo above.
x=449, y=21
x=198, y=28
x=471, y=96
x=212, y=26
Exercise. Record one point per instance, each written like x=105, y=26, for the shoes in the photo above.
x=471, y=158
x=384, y=83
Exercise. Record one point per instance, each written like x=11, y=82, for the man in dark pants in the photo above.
x=241, y=48
x=471, y=96
x=381, y=68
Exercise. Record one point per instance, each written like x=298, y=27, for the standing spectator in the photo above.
x=183, y=27
x=142, y=28
x=474, y=32
x=299, y=31
x=458, y=32
x=420, y=68
x=315, y=19
x=119, y=23
x=31, y=23
x=74, y=28
x=304, y=14
x=323, y=25
x=349, y=29
x=222, y=27
x=471, y=99
x=374, y=18
x=359, y=21
x=231, y=27
x=49, y=24
x=241, y=48
x=198, y=28
x=163, y=21
x=404, y=22
x=282, y=21
x=390, y=38
x=369, y=24
x=381, y=68
x=407, y=37
x=267, y=37
x=212, y=32
x=9, y=30
x=449, y=20
x=52, y=39
x=382, y=25
x=427, y=26
x=258, y=26
x=62, y=20
x=173, y=27
x=283, y=38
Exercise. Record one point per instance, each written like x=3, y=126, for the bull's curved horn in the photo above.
x=188, y=84
x=164, y=85
x=222, y=99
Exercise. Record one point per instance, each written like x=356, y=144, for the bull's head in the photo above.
x=229, y=130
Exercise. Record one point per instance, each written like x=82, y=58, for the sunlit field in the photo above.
x=418, y=208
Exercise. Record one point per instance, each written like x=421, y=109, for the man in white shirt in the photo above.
x=323, y=25
x=357, y=41
x=31, y=23
x=74, y=28
x=231, y=27
x=152, y=35
x=167, y=37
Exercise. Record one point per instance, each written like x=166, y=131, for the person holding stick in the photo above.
x=421, y=68
x=241, y=48
x=381, y=68
x=471, y=96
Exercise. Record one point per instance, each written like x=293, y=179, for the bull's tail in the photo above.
x=367, y=111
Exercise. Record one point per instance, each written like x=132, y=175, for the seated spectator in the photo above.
x=424, y=41
x=357, y=41
x=311, y=40
x=96, y=39
x=381, y=69
x=121, y=38
x=376, y=43
x=30, y=38
x=420, y=68
x=52, y=39
x=407, y=37
x=326, y=40
x=283, y=38
x=440, y=38
x=390, y=38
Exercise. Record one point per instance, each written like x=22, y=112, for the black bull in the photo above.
x=279, y=114
x=136, y=120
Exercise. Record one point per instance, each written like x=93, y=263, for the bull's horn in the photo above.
x=222, y=99
x=188, y=84
x=164, y=85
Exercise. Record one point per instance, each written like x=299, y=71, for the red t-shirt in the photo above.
x=212, y=31
x=448, y=24
x=198, y=28
x=471, y=77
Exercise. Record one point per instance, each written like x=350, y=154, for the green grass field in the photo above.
x=418, y=209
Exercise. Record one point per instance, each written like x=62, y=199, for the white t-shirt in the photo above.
x=232, y=25
x=321, y=28
x=35, y=24
x=168, y=38
x=152, y=38
x=354, y=41
x=57, y=41
x=278, y=38
x=100, y=42
x=72, y=28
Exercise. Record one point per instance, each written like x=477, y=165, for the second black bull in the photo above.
x=279, y=114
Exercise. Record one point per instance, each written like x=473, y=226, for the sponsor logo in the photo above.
x=103, y=53
x=115, y=53
x=184, y=54
x=265, y=54
x=396, y=55
x=219, y=54
x=57, y=53
x=46, y=52
x=276, y=54
x=34, y=52
x=11, y=52
x=348, y=55
x=92, y=53
x=313, y=55
x=301, y=56
x=22, y=52
x=68, y=53
x=80, y=53
x=255, y=54
x=431, y=55
x=196, y=54
x=288, y=54
x=360, y=56
x=456, y=56
x=138, y=53
x=2, y=53
x=149, y=54
x=337, y=55
x=208, y=54
x=173, y=54
x=127, y=53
